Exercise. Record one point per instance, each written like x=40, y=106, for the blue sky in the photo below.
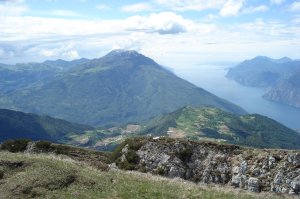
x=173, y=32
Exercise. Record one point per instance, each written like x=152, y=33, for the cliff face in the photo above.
x=286, y=91
x=246, y=168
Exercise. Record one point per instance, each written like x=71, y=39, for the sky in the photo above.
x=175, y=33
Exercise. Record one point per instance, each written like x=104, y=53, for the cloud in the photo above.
x=277, y=2
x=295, y=6
x=251, y=9
x=186, y=5
x=64, y=13
x=167, y=36
x=102, y=7
x=12, y=8
x=162, y=23
x=139, y=7
x=231, y=8
x=132, y=42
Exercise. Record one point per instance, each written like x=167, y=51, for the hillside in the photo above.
x=204, y=123
x=121, y=87
x=15, y=125
x=280, y=75
x=18, y=76
x=212, y=123
x=66, y=176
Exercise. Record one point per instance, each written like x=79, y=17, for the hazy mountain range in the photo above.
x=281, y=76
x=123, y=86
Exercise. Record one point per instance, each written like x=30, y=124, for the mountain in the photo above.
x=286, y=91
x=121, y=87
x=19, y=76
x=214, y=124
x=15, y=125
x=281, y=76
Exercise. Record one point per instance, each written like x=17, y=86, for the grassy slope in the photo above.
x=250, y=130
x=15, y=124
x=46, y=176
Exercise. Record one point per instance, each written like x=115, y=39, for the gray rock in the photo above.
x=235, y=170
x=295, y=184
x=243, y=167
x=223, y=165
x=253, y=184
x=238, y=180
x=278, y=178
x=294, y=158
x=272, y=162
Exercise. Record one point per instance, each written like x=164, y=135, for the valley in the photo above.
x=212, y=78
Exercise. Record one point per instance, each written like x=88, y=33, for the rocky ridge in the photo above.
x=251, y=169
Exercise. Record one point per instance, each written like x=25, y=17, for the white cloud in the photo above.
x=168, y=37
x=185, y=5
x=139, y=7
x=64, y=13
x=162, y=23
x=66, y=51
x=277, y=2
x=102, y=7
x=132, y=42
x=295, y=6
x=252, y=9
x=231, y=8
x=12, y=8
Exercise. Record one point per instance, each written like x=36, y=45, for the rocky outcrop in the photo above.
x=255, y=170
x=287, y=91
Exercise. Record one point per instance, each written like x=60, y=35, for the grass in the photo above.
x=54, y=176
x=215, y=124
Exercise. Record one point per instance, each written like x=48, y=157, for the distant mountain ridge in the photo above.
x=280, y=75
x=16, y=125
x=18, y=76
x=121, y=87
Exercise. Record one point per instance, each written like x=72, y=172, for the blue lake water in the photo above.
x=212, y=79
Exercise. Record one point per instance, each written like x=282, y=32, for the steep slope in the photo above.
x=15, y=125
x=280, y=75
x=123, y=86
x=211, y=123
x=286, y=91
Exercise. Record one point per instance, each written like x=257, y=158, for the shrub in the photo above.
x=1, y=173
x=15, y=145
x=43, y=145
x=131, y=161
x=134, y=144
x=160, y=171
x=185, y=154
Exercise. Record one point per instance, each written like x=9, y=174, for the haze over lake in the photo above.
x=212, y=78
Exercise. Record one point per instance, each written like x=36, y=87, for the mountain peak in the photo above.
x=123, y=53
x=281, y=60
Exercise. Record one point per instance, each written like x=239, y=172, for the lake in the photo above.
x=212, y=79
